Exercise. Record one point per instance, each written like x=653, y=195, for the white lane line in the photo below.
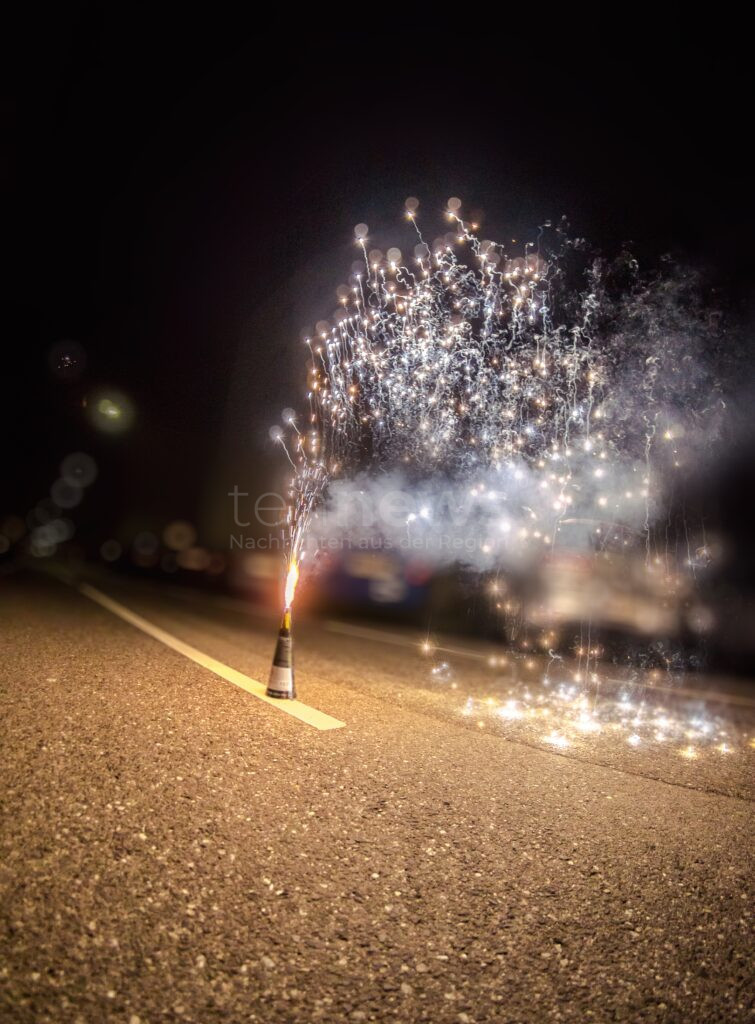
x=383, y=637
x=295, y=708
x=397, y=640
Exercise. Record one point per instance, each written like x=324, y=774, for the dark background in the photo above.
x=180, y=196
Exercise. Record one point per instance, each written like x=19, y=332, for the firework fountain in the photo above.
x=559, y=390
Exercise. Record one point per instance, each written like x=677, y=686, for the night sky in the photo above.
x=181, y=198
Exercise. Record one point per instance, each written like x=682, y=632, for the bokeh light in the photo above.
x=111, y=550
x=67, y=360
x=65, y=494
x=112, y=412
x=179, y=535
x=78, y=469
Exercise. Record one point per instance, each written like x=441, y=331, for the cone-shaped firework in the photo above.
x=281, y=682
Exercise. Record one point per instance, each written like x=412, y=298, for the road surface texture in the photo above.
x=175, y=849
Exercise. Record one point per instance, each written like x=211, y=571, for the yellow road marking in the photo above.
x=295, y=708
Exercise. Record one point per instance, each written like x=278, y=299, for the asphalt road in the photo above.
x=174, y=849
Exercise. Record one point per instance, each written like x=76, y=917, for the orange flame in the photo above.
x=291, y=580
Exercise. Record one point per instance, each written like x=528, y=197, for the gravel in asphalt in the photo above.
x=175, y=850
